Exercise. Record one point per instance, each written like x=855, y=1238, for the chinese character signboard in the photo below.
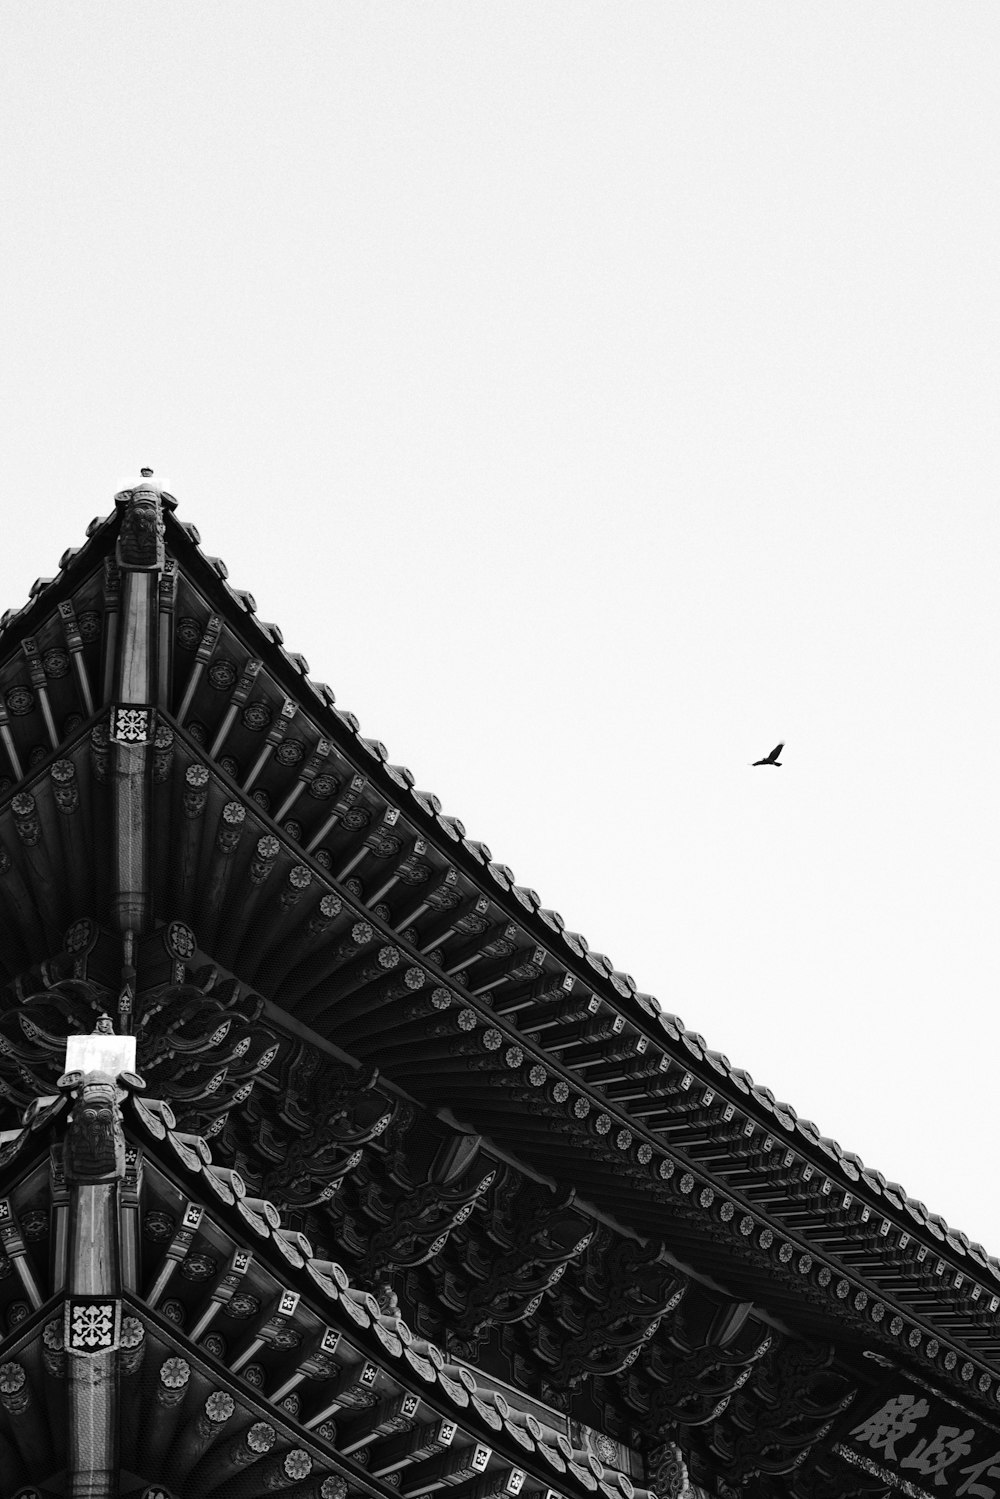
x=923, y=1445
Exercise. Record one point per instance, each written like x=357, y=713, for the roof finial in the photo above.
x=145, y=485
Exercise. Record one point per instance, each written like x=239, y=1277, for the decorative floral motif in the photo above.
x=64, y=787
x=133, y=1333
x=131, y=725
x=81, y=936
x=175, y=1373
x=89, y=624
x=91, y=1326
x=290, y=752
x=444, y=899
x=222, y=675
x=268, y=849
x=26, y=823
x=296, y=1464
x=606, y=1449
x=384, y=845
x=187, y=634
x=322, y=787
x=257, y=717
x=180, y=941
x=241, y=1306
x=299, y=880
x=355, y=817
x=13, y=1382
x=195, y=790
x=55, y=662
x=286, y=1337
x=158, y=1226
x=163, y=743
x=198, y=1267
x=20, y=700
x=35, y=1224
x=219, y=1406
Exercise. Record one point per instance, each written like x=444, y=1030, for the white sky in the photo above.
x=596, y=394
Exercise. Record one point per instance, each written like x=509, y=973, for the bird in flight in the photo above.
x=772, y=758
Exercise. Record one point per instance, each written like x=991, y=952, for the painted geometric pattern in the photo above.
x=91, y=1325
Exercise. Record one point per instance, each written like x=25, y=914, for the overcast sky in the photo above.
x=596, y=394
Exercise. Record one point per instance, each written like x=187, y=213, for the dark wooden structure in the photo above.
x=407, y=1189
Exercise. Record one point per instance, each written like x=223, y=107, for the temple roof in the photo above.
x=288, y=671
x=352, y=1004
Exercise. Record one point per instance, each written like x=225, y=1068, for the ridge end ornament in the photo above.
x=100, y=1072
x=141, y=536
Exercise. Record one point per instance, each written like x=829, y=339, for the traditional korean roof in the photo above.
x=465, y=1143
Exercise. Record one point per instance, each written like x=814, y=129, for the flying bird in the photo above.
x=772, y=758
